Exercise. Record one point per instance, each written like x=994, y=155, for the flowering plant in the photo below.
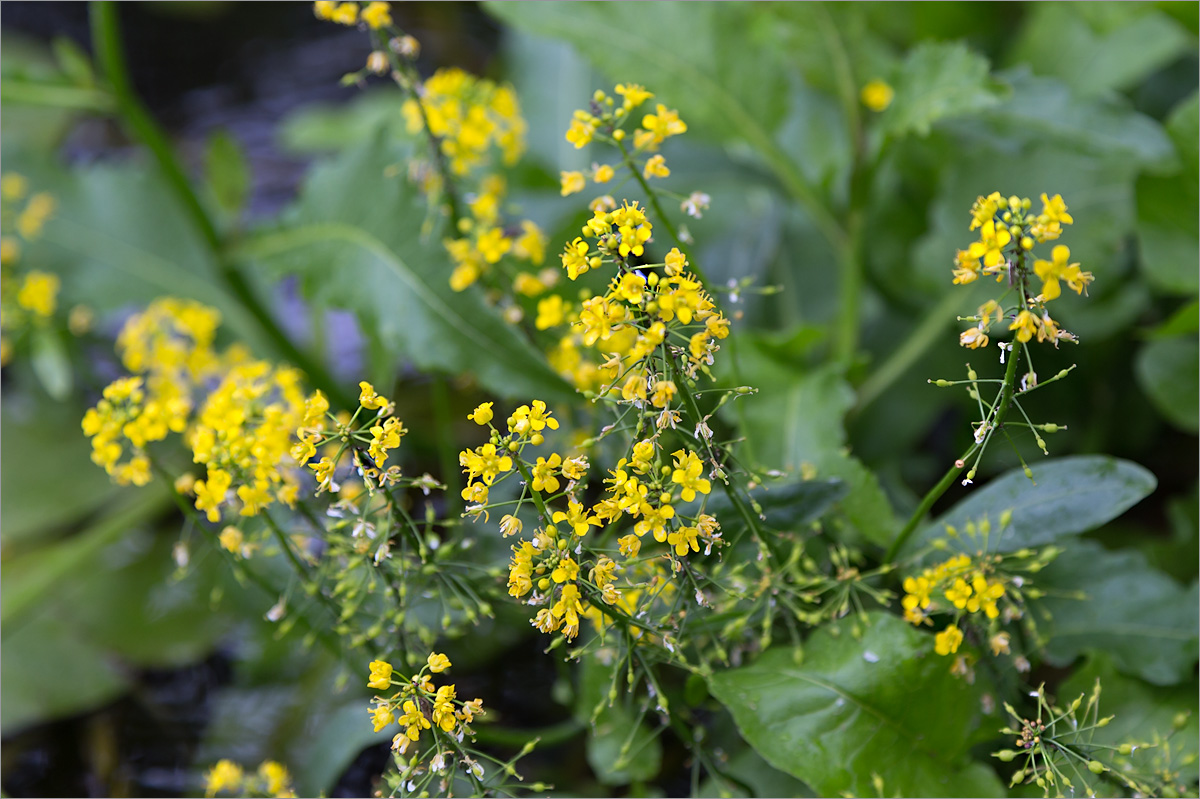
x=650, y=455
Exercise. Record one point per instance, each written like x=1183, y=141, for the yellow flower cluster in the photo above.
x=1008, y=231
x=484, y=240
x=377, y=15
x=271, y=779
x=242, y=432
x=607, y=119
x=963, y=583
x=417, y=705
x=31, y=298
x=469, y=115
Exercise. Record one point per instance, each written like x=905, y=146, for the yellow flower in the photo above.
x=1048, y=224
x=580, y=133
x=368, y=398
x=1052, y=271
x=377, y=15
x=575, y=258
x=438, y=662
x=38, y=292
x=662, y=124
x=543, y=474
x=576, y=516
x=991, y=244
x=634, y=94
x=526, y=419
x=551, y=312
x=1026, y=325
x=323, y=470
x=382, y=716
x=413, y=720
x=567, y=570
x=572, y=182
x=482, y=414
x=656, y=167
x=973, y=338
x=877, y=95
x=224, y=776
x=510, y=525
x=683, y=538
x=985, y=209
x=687, y=474
x=231, y=539
x=947, y=641
x=210, y=493
x=917, y=593
x=346, y=14
x=381, y=675
x=603, y=174
x=275, y=776
x=959, y=593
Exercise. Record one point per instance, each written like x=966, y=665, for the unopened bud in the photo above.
x=1096, y=767
x=1005, y=755
x=537, y=439
x=940, y=383
x=1029, y=472
x=972, y=374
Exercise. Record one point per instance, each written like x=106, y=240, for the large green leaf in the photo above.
x=1167, y=211
x=682, y=52
x=883, y=705
x=938, y=80
x=1167, y=372
x=620, y=747
x=784, y=505
x=1067, y=496
x=357, y=242
x=1096, y=47
x=1145, y=620
x=796, y=419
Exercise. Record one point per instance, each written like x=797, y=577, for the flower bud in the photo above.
x=1006, y=755
x=1096, y=767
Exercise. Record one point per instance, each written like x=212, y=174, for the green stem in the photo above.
x=106, y=41
x=23, y=92
x=536, y=495
x=1006, y=397
x=850, y=283
x=652, y=198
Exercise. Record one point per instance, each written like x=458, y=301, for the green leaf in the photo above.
x=327, y=128
x=1098, y=47
x=75, y=64
x=796, y=419
x=938, y=80
x=1045, y=110
x=357, y=242
x=227, y=171
x=342, y=732
x=1141, y=617
x=756, y=778
x=885, y=704
x=40, y=455
x=51, y=671
x=50, y=362
x=1167, y=211
x=1069, y=496
x=784, y=505
x=683, y=52
x=1167, y=371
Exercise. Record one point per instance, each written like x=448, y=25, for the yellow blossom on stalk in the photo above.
x=437, y=662
x=543, y=474
x=323, y=469
x=634, y=94
x=482, y=414
x=974, y=338
x=39, y=209
x=381, y=675
x=959, y=593
x=572, y=183
x=661, y=125
x=656, y=167
x=224, y=776
x=582, y=128
x=683, y=538
x=1051, y=272
x=603, y=174
x=985, y=209
x=412, y=720
x=377, y=15
x=1026, y=325
x=368, y=398
x=1048, y=224
x=567, y=570
x=231, y=540
x=991, y=244
x=576, y=516
x=551, y=312
x=687, y=474
x=917, y=593
x=527, y=419
x=443, y=708
x=484, y=462
x=575, y=258
x=985, y=596
x=275, y=778
x=210, y=493
x=966, y=268
x=877, y=95
x=510, y=525
x=38, y=293
x=520, y=569
x=384, y=437
x=948, y=640
x=567, y=609
x=382, y=716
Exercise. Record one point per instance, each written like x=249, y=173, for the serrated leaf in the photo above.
x=855, y=708
x=1167, y=371
x=939, y=80
x=356, y=241
x=1098, y=47
x=1071, y=496
x=1141, y=617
